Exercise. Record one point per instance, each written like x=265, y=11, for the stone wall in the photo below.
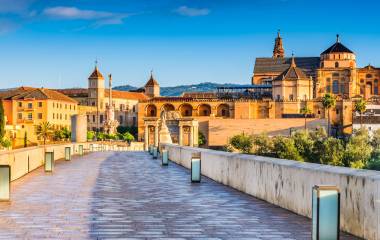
x=220, y=130
x=288, y=184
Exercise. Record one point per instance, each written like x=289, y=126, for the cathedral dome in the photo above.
x=337, y=47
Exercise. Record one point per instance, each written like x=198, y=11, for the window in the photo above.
x=342, y=88
x=336, y=64
x=40, y=116
x=39, y=104
x=101, y=118
x=53, y=115
x=322, y=64
x=335, y=74
x=65, y=106
x=120, y=119
x=319, y=112
x=30, y=105
x=134, y=121
x=30, y=116
x=19, y=116
x=134, y=108
x=93, y=118
x=65, y=116
x=60, y=116
x=337, y=111
x=376, y=90
x=19, y=104
x=335, y=87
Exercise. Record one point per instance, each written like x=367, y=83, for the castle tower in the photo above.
x=95, y=87
x=278, y=51
x=152, y=88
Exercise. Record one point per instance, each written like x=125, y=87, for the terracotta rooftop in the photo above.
x=151, y=82
x=83, y=92
x=23, y=93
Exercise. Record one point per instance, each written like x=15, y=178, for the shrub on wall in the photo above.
x=242, y=143
x=201, y=139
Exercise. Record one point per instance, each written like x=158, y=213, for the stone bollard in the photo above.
x=5, y=183
x=164, y=157
x=155, y=152
x=325, y=212
x=80, y=149
x=67, y=153
x=49, y=161
x=196, y=168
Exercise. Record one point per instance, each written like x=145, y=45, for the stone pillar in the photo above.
x=79, y=128
x=146, y=138
x=156, y=136
x=180, y=137
x=192, y=136
x=196, y=135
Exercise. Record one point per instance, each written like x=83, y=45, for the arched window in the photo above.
x=368, y=76
x=186, y=110
x=335, y=87
x=204, y=110
x=223, y=110
x=336, y=64
x=151, y=111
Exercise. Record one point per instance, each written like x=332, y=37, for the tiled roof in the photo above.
x=37, y=94
x=199, y=95
x=279, y=65
x=126, y=95
x=151, y=82
x=337, y=48
x=293, y=72
x=74, y=92
x=96, y=74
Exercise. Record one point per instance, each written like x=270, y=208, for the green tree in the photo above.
x=66, y=133
x=358, y=150
x=25, y=139
x=361, y=107
x=5, y=142
x=128, y=137
x=58, y=135
x=2, y=120
x=263, y=145
x=44, y=130
x=90, y=135
x=305, y=111
x=374, y=164
x=100, y=136
x=242, y=142
x=285, y=148
x=375, y=141
x=201, y=139
x=304, y=145
x=328, y=102
x=332, y=152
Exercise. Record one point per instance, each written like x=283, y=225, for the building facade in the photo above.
x=26, y=107
x=95, y=100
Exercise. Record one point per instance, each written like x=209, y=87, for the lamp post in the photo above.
x=49, y=161
x=325, y=212
x=195, y=169
x=5, y=183
x=67, y=153
x=164, y=157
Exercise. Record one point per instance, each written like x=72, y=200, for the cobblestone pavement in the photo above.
x=129, y=195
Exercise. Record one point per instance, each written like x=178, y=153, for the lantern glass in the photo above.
x=195, y=169
x=81, y=150
x=165, y=158
x=67, y=153
x=49, y=161
x=326, y=212
x=5, y=181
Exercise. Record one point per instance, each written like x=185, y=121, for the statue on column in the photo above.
x=110, y=126
x=164, y=134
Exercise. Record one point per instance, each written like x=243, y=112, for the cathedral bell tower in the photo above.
x=278, y=51
x=95, y=87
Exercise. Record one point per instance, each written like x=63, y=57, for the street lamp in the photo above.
x=195, y=169
x=5, y=183
x=164, y=157
x=325, y=212
x=49, y=161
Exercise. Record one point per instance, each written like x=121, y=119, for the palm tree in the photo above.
x=361, y=107
x=44, y=131
x=328, y=101
x=305, y=111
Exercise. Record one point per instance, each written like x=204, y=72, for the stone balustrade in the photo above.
x=25, y=160
x=288, y=184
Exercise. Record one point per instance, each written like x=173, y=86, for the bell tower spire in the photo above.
x=278, y=51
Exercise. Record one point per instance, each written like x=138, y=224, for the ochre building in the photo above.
x=281, y=87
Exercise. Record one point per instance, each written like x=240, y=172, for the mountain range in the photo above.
x=178, y=90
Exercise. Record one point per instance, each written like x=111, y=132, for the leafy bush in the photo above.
x=5, y=142
x=374, y=164
x=128, y=137
x=263, y=145
x=358, y=150
x=201, y=139
x=285, y=148
x=304, y=144
x=90, y=135
x=132, y=130
x=242, y=142
x=332, y=152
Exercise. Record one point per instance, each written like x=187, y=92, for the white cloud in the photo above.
x=72, y=13
x=192, y=12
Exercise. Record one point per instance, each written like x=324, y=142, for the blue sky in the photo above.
x=54, y=43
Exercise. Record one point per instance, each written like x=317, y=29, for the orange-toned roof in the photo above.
x=96, y=74
x=36, y=93
x=126, y=95
x=151, y=82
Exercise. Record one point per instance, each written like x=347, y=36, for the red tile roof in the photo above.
x=23, y=93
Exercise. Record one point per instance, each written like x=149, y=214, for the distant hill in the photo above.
x=178, y=90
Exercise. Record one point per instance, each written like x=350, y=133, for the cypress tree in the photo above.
x=2, y=120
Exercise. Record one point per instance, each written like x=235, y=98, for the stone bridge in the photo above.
x=109, y=195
